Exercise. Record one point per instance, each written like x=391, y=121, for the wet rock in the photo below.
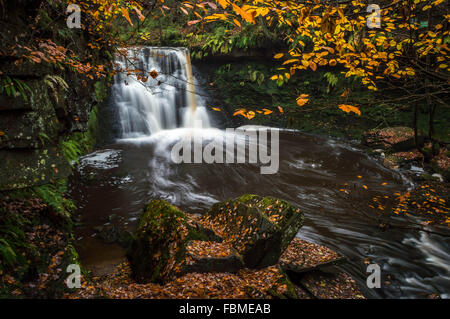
x=159, y=245
x=331, y=286
x=110, y=233
x=303, y=256
x=259, y=228
x=207, y=256
x=396, y=139
x=284, y=288
x=28, y=167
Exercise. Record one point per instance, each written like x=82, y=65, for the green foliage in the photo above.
x=71, y=150
x=79, y=143
x=54, y=195
x=223, y=40
x=14, y=87
x=12, y=238
x=331, y=79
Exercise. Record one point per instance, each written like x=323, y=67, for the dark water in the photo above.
x=121, y=178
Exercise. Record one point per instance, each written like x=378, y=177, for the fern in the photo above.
x=71, y=150
x=332, y=80
x=7, y=254
x=15, y=88
x=55, y=81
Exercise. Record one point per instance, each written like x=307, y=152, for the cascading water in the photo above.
x=166, y=99
x=117, y=181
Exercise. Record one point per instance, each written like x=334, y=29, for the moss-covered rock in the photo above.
x=159, y=244
x=259, y=228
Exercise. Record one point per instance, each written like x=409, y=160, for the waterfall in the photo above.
x=147, y=104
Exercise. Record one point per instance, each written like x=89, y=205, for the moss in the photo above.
x=288, y=293
x=39, y=239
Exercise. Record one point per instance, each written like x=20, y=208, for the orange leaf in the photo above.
x=301, y=102
x=184, y=11
x=250, y=115
x=139, y=13
x=350, y=108
x=239, y=112
x=280, y=109
x=193, y=22
x=153, y=74
x=126, y=15
x=217, y=109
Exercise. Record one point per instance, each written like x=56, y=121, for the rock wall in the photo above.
x=58, y=103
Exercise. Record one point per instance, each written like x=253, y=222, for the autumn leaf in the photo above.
x=154, y=74
x=350, y=108
x=280, y=109
x=302, y=99
x=184, y=11
x=250, y=115
x=278, y=56
x=126, y=15
x=240, y=112
x=139, y=13
x=267, y=111
x=223, y=3
x=193, y=22
x=217, y=109
x=345, y=93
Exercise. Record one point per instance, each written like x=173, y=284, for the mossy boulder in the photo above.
x=259, y=228
x=159, y=244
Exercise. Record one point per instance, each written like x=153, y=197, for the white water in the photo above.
x=165, y=102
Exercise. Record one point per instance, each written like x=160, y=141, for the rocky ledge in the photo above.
x=240, y=248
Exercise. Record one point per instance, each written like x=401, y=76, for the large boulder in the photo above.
x=258, y=228
x=158, y=249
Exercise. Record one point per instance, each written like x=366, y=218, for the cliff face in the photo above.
x=56, y=101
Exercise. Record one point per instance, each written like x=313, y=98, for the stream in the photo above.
x=324, y=177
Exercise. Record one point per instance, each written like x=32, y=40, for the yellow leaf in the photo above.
x=223, y=3
x=280, y=109
x=236, y=22
x=278, y=56
x=250, y=115
x=217, y=109
x=267, y=111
